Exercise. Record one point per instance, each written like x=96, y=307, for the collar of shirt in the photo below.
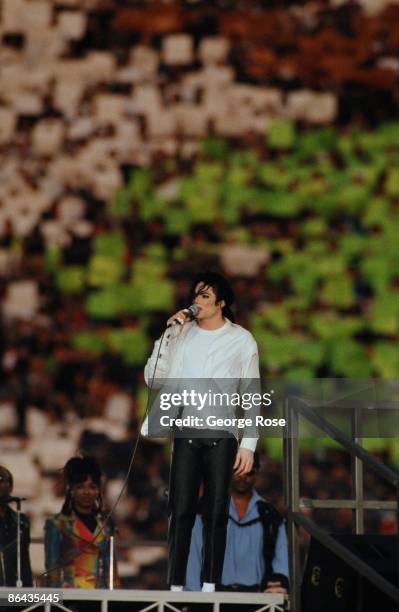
x=252, y=510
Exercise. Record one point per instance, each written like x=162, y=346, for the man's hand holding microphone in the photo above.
x=184, y=315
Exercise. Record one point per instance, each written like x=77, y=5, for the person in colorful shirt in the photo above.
x=77, y=540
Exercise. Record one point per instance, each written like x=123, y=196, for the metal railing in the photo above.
x=294, y=408
x=154, y=600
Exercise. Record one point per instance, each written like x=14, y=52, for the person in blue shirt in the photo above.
x=256, y=557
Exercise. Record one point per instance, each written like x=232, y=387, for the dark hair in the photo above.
x=76, y=471
x=10, y=477
x=256, y=465
x=222, y=288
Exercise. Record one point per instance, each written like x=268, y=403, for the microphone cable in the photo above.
x=192, y=311
x=109, y=514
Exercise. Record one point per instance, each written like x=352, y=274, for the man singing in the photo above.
x=210, y=347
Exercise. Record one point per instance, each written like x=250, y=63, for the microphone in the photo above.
x=7, y=499
x=191, y=312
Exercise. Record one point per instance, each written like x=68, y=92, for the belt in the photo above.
x=246, y=588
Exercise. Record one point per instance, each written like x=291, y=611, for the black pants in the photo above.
x=194, y=461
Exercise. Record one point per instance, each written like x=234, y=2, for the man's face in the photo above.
x=5, y=483
x=243, y=484
x=205, y=298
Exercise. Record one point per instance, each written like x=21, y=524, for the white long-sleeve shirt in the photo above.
x=233, y=354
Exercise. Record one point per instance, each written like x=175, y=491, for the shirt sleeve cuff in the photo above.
x=249, y=443
x=144, y=427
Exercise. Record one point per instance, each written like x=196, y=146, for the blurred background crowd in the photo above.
x=142, y=141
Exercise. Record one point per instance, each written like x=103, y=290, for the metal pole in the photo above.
x=18, y=583
x=111, y=563
x=291, y=457
x=358, y=494
x=357, y=472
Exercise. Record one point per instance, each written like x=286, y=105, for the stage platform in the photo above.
x=125, y=600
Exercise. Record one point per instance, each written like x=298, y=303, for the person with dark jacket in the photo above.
x=8, y=537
